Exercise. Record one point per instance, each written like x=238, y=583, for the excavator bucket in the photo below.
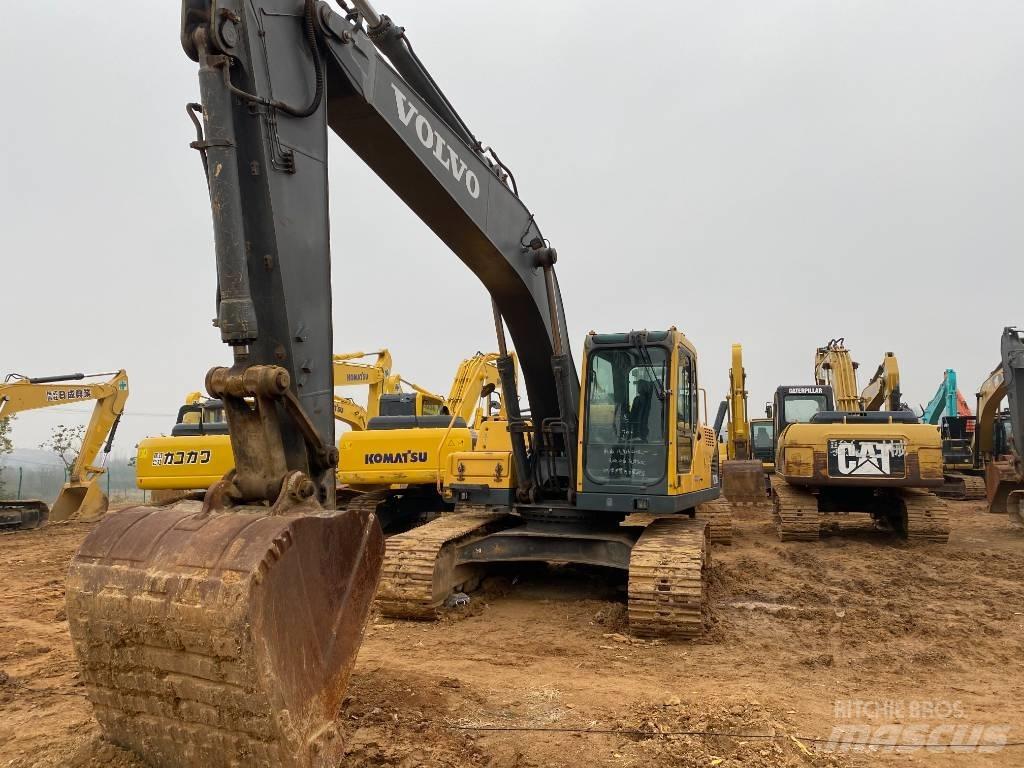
x=22, y=514
x=1001, y=479
x=223, y=638
x=84, y=502
x=743, y=481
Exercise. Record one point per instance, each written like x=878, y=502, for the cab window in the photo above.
x=686, y=412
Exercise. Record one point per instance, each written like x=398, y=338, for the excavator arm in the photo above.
x=834, y=367
x=945, y=401
x=275, y=74
x=739, y=426
x=989, y=397
x=1012, y=354
x=476, y=376
x=81, y=497
x=883, y=391
x=1002, y=460
x=239, y=579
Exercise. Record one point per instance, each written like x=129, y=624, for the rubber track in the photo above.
x=367, y=502
x=668, y=595
x=975, y=488
x=407, y=584
x=796, y=512
x=927, y=516
x=667, y=579
x=963, y=488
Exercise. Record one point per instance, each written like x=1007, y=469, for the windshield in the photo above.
x=761, y=435
x=800, y=408
x=626, y=440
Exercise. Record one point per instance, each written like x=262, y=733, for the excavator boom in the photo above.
x=81, y=497
x=834, y=367
x=743, y=479
x=883, y=391
x=1002, y=458
x=211, y=634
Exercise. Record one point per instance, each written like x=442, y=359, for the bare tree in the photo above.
x=6, y=445
x=66, y=442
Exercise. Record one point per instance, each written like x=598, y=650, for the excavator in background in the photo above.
x=397, y=464
x=743, y=476
x=762, y=440
x=211, y=633
x=195, y=455
x=948, y=410
x=81, y=497
x=996, y=451
x=386, y=396
x=883, y=391
x=198, y=453
x=834, y=458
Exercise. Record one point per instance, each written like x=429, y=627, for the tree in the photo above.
x=6, y=445
x=66, y=442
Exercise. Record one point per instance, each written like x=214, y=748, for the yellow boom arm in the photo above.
x=884, y=387
x=834, y=367
x=81, y=496
x=738, y=443
x=476, y=376
x=990, y=395
x=376, y=375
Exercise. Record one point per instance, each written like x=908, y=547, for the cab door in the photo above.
x=686, y=411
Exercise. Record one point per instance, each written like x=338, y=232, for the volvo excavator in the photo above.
x=81, y=497
x=834, y=458
x=996, y=452
x=223, y=632
x=743, y=476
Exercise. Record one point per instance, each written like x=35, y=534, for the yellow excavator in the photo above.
x=223, y=633
x=398, y=462
x=833, y=458
x=197, y=453
x=743, y=475
x=81, y=497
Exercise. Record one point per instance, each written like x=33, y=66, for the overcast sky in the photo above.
x=774, y=173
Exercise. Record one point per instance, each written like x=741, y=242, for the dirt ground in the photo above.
x=858, y=630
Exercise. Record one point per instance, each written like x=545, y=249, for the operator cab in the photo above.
x=206, y=417
x=1002, y=435
x=640, y=418
x=799, y=405
x=762, y=439
x=404, y=410
x=957, y=433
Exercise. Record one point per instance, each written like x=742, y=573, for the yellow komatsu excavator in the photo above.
x=834, y=458
x=743, y=477
x=81, y=497
x=197, y=453
x=399, y=461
